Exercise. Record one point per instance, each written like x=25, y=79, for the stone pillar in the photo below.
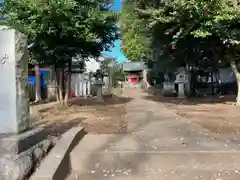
x=181, y=93
x=99, y=86
x=14, y=95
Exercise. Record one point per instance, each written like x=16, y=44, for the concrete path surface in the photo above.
x=159, y=145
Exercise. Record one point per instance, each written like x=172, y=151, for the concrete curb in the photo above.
x=56, y=165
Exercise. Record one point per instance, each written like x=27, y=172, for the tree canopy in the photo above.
x=185, y=27
x=60, y=29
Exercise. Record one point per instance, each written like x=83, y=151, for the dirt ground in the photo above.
x=218, y=114
x=107, y=117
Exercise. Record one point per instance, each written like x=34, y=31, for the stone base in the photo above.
x=17, y=143
x=20, y=154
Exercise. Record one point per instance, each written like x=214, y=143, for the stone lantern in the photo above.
x=181, y=80
x=99, y=75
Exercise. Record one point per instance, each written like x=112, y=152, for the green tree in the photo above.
x=134, y=35
x=202, y=32
x=61, y=30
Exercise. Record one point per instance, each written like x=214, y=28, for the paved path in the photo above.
x=159, y=145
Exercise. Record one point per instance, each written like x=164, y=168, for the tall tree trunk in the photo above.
x=188, y=83
x=68, y=85
x=110, y=80
x=212, y=84
x=57, y=74
x=145, y=78
x=38, y=84
x=237, y=75
x=61, y=86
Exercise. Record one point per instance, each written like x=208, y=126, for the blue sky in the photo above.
x=115, y=52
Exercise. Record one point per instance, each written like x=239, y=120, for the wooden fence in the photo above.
x=31, y=89
x=158, y=86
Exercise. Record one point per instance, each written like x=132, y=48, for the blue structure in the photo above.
x=32, y=79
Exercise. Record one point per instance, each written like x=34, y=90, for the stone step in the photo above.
x=158, y=175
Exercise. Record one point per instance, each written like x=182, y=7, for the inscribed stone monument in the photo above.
x=14, y=107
